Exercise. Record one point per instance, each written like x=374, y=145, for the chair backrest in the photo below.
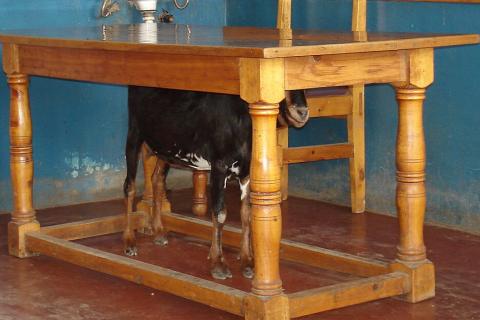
x=284, y=14
x=359, y=15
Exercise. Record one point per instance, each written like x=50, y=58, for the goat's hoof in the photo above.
x=221, y=272
x=161, y=241
x=248, y=272
x=131, y=251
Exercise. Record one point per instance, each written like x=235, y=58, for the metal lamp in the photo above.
x=147, y=8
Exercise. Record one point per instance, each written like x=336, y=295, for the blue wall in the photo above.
x=451, y=110
x=78, y=128
x=74, y=165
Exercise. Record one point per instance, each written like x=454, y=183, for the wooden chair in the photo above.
x=346, y=102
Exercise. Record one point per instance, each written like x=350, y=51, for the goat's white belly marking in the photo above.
x=199, y=162
x=194, y=161
x=244, y=188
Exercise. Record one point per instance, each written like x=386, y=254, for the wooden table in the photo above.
x=259, y=65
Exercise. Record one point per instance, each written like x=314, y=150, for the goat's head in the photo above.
x=293, y=109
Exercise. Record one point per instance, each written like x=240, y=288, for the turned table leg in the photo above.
x=265, y=199
x=410, y=161
x=262, y=85
x=411, y=198
x=21, y=166
x=267, y=300
x=199, y=206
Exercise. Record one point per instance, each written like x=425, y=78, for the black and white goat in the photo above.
x=202, y=131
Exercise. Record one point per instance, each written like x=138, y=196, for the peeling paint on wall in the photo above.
x=79, y=128
x=84, y=166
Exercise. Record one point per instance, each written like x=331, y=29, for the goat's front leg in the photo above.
x=246, y=254
x=159, y=197
x=219, y=269
x=129, y=241
x=132, y=150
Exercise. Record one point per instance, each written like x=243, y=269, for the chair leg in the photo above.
x=356, y=136
x=282, y=141
x=200, y=179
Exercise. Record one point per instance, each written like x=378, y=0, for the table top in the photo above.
x=226, y=41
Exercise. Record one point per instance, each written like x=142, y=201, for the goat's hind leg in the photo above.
x=129, y=241
x=160, y=202
x=246, y=252
x=218, y=267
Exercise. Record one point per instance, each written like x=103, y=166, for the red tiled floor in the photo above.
x=44, y=288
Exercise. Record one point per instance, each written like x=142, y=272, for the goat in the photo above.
x=203, y=131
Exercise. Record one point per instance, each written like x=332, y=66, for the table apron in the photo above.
x=346, y=69
x=204, y=73
x=187, y=72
